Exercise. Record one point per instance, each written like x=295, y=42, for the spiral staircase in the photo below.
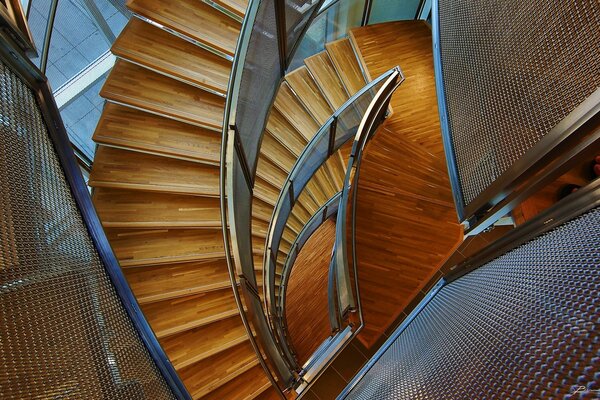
x=155, y=178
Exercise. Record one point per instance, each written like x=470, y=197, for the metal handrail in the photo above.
x=236, y=181
x=35, y=79
x=375, y=114
x=325, y=212
x=301, y=172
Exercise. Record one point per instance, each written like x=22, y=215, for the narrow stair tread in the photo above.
x=294, y=111
x=122, y=208
x=196, y=344
x=344, y=59
x=138, y=87
x=119, y=168
x=247, y=386
x=173, y=316
x=326, y=76
x=137, y=247
x=163, y=282
x=157, y=49
x=136, y=130
x=307, y=90
x=193, y=19
x=209, y=374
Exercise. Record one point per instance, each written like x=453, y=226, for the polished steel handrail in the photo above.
x=35, y=79
x=304, y=168
x=324, y=213
x=237, y=174
x=373, y=118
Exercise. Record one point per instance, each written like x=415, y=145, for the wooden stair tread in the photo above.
x=270, y=172
x=247, y=386
x=196, y=344
x=163, y=282
x=238, y=7
x=261, y=209
x=193, y=19
x=344, y=59
x=216, y=371
x=157, y=49
x=265, y=191
x=173, y=316
x=137, y=247
x=125, y=169
x=326, y=76
x=139, y=87
x=136, y=130
x=285, y=132
x=121, y=208
x=304, y=86
x=293, y=110
x=269, y=394
x=277, y=153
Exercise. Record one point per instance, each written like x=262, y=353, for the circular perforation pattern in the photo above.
x=524, y=326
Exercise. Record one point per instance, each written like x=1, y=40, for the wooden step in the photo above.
x=247, y=386
x=174, y=316
x=306, y=89
x=136, y=130
x=285, y=133
x=197, y=344
x=277, y=153
x=237, y=7
x=261, y=210
x=121, y=208
x=326, y=76
x=171, y=281
x=344, y=59
x=116, y=168
x=141, y=88
x=269, y=394
x=136, y=247
x=193, y=19
x=294, y=111
x=264, y=191
x=218, y=370
x=300, y=213
x=270, y=172
x=154, y=48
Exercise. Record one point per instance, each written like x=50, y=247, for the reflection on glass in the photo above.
x=393, y=10
x=328, y=26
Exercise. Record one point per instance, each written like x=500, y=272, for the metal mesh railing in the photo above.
x=64, y=332
x=511, y=72
x=521, y=326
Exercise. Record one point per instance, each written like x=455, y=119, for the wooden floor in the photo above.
x=407, y=44
x=306, y=301
x=406, y=221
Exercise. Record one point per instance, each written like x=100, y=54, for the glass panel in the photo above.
x=393, y=10
x=297, y=14
x=328, y=26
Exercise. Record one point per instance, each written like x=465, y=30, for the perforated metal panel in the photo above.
x=523, y=326
x=512, y=70
x=64, y=333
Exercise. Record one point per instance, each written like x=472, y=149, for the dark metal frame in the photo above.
x=38, y=83
x=565, y=210
x=506, y=186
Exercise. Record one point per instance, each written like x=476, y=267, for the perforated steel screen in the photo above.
x=64, y=333
x=523, y=326
x=513, y=70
